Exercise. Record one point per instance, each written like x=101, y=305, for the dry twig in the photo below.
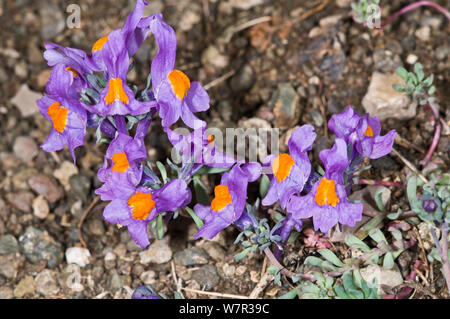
x=80, y=224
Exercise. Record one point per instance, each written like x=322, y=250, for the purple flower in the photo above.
x=363, y=132
x=177, y=96
x=136, y=207
x=122, y=167
x=132, y=36
x=290, y=172
x=117, y=98
x=66, y=114
x=327, y=202
x=229, y=201
x=200, y=147
x=145, y=292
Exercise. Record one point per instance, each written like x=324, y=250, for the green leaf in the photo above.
x=431, y=90
x=242, y=254
x=429, y=80
x=200, y=192
x=331, y=257
x=206, y=170
x=291, y=294
x=418, y=69
x=264, y=186
x=379, y=199
x=399, y=88
x=401, y=71
x=411, y=191
x=313, y=261
x=378, y=236
x=198, y=222
x=163, y=171
x=353, y=241
x=388, y=261
x=413, y=78
x=160, y=227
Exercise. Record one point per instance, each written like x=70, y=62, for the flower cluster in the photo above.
x=91, y=90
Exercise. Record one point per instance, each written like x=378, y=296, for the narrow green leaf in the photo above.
x=331, y=257
x=163, y=171
x=353, y=241
x=401, y=71
x=264, y=185
x=198, y=222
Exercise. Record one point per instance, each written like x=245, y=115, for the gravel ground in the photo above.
x=308, y=62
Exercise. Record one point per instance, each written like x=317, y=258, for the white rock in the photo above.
x=40, y=207
x=343, y=3
x=330, y=21
x=412, y=58
x=159, y=253
x=423, y=33
x=78, y=255
x=64, y=172
x=25, y=101
x=188, y=20
x=387, y=277
x=425, y=234
x=383, y=101
x=245, y=5
x=148, y=277
x=211, y=56
x=25, y=148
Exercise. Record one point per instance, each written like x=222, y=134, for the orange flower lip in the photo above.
x=222, y=198
x=74, y=73
x=58, y=114
x=116, y=92
x=326, y=193
x=180, y=83
x=281, y=166
x=98, y=45
x=120, y=161
x=369, y=131
x=141, y=204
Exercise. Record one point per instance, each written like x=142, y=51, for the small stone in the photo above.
x=191, y=257
x=241, y=270
x=96, y=227
x=387, y=277
x=317, y=118
x=81, y=185
x=46, y=284
x=21, y=200
x=229, y=270
x=6, y=293
x=110, y=260
x=52, y=21
x=442, y=52
x=25, y=148
x=188, y=20
x=46, y=186
x=78, y=255
x=8, y=245
x=25, y=101
x=38, y=245
x=212, y=57
x=425, y=234
x=20, y=180
x=20, y=69
x=285, y=106
x=330, y=21
x=159, y=253
x=412, y=58
x=9, y=266
x=244, y=5
x=343, y=3
x=254, y=276
x=243, y=80
x=43, y=78
x=206, y=277
x=115, y=281
x=383, y=101
x=40, y=207
x=24, y=287
x=64, y=172
x=423, y=33
x=214, y=250
x=148, y=277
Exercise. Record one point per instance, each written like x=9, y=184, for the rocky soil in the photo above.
x=306, y=62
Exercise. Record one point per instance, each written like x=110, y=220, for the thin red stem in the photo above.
x=380, y=183
x=436, y=137
x=413, y=6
